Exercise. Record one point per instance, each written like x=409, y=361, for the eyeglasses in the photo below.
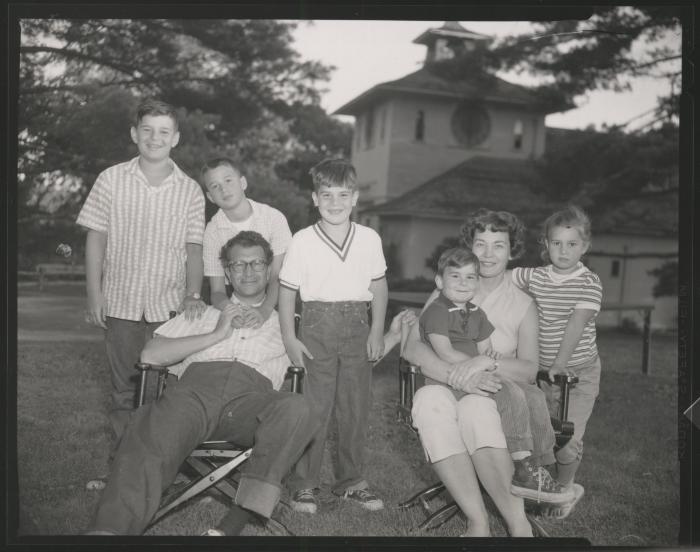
x=238, y=267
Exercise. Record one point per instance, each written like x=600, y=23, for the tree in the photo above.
x=241, y=90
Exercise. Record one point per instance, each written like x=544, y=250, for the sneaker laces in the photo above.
x=304, y=495
x=545, y=481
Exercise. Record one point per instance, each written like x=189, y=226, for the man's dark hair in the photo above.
x=246, y=238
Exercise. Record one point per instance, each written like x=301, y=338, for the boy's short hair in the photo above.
x=495, y=221
x=335, y=171
x=217, y=162
x=154, y=108
x=457, y=257
x=246, y=238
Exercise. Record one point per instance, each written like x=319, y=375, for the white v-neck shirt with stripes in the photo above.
x=147, y=227
x=322, y=270
x=556, y=296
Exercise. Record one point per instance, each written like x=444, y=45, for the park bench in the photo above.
x=44, y=270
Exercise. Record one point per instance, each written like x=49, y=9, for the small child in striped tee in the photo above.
x=568, y=297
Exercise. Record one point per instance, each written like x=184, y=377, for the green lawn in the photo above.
x=629, y=470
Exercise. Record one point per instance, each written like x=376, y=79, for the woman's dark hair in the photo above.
x=483, y=219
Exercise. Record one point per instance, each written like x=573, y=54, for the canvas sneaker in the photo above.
x=365, y=499
x=304, y=500
x=536, y=483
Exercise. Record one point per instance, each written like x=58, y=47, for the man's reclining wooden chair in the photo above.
x=409, y=378
x=213, y=461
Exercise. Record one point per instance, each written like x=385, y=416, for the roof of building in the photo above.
x=451, y=29
x=494, y=183
x=426, y=82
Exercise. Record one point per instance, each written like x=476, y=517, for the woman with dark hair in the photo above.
x=463, y=438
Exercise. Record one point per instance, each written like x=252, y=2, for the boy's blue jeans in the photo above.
x=525, y=420
x=338, y=379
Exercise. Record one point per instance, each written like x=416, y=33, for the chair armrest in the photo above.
x=145, y=368
x=296, y=373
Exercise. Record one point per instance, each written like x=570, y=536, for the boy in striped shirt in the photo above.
x=143, y=253
x=568, y=297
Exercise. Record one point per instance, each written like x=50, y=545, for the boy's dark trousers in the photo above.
x=525, y=420
x=212, y=401
x=338, y=378
x=124, y=341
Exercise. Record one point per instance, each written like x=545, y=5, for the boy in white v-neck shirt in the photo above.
x=338, y=267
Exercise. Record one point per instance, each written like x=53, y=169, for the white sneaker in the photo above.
x=213, y=533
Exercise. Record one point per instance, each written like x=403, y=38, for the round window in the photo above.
x=471, y=124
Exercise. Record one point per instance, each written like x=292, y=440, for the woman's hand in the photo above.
x=475, y=376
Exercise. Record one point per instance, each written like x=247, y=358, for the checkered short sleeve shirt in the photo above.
x=262, y=349
x=147, y=227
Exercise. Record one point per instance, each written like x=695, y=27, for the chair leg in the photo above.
x=203, y=483
x=423, y=496
x=441, y=516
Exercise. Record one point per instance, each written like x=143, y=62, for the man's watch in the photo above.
x=194, y=295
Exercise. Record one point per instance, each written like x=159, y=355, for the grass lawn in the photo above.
x=630, y=471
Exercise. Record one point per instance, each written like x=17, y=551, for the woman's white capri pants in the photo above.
x=448, y=426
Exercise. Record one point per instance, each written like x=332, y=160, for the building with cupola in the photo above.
x=448, y=138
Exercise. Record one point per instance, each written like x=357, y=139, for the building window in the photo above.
x=369, y=129
x=420, y=126
x=382, y=126
x=518, y=134
x=615, y=269
x=358, y=133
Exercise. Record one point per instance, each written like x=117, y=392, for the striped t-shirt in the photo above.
x=147, y=227
x=557, y=295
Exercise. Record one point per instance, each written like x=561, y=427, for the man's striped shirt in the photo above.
x=557, y=295
x=147, y=227
x=262, y=349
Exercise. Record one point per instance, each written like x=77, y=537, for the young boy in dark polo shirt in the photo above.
x=457, y=330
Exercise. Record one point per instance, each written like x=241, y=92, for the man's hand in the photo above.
x=557, y=369
x=193, y=308
x=375, y=345
x=224, y=327
x=475, y=376
x=245, y=316
x=296, y=351
x=491, y=353
x=95, y=312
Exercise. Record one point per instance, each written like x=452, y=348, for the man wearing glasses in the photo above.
x=228, y=375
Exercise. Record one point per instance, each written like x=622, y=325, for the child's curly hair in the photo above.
x=570, y=217
x=495, y=221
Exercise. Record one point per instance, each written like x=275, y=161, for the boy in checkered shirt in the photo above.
x=143, y=253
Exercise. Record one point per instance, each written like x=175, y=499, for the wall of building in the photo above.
x=626, y=279
x=371, y=160
x=413, y=162
x=415, y=240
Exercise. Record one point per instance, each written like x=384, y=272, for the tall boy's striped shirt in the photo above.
x=557, y=295
x=147, y=227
